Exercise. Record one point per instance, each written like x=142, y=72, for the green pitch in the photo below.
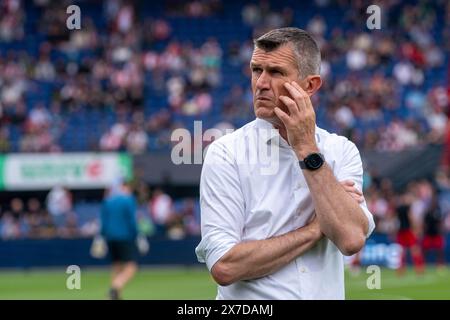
x=195, y=283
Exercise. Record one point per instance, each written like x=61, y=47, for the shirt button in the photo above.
x=303, y=270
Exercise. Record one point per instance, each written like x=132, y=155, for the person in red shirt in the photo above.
x=433, y=239
x=407, y=237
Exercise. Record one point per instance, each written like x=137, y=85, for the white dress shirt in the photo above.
x=241, y=202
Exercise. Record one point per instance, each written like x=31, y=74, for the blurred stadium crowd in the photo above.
x=133, y=73
x=138, y=70
x=59, y=216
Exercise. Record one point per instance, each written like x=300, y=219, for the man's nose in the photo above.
x=263, y=81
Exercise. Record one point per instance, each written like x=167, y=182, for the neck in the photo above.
x=283, y=132
x=277, y=124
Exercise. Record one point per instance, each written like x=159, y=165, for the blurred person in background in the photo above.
x=190, y=221
x=9, y=227
x=433, y=239
x=10, y=220
x=161, y=210
x=119, y=229
x=406, y=237
x=59, y=204
x=38, y=222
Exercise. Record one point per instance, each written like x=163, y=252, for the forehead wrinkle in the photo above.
x=282, y=57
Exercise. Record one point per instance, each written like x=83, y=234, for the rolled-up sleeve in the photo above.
x=221, y=204
x=351, y=169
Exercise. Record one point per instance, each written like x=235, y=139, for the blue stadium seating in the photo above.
x=84, y=128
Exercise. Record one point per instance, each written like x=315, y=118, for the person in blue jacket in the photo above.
x=119, y=229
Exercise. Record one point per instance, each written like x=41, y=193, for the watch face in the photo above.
x=314, y=161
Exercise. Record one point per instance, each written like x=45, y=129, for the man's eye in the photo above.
x=256, y=70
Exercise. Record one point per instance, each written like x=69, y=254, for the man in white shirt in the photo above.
x=281, y=234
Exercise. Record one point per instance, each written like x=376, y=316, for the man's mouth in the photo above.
x=263, y=98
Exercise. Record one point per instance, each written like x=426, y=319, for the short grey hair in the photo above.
x=305, y=47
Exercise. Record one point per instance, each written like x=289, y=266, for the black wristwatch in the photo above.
x=312, y=162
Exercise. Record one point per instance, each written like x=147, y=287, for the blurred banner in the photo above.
x=381, y=252
x=71, y=170
x=399, y=167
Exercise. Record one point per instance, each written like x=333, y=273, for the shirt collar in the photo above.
x=265, y=131
x=268, y=134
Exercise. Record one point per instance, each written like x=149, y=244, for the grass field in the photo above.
x=195, y=283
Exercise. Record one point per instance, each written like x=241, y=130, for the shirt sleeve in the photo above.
x=221, y=204
x=351, y=169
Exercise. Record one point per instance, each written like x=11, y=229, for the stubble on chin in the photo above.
x=272, y=118
x=275, y=121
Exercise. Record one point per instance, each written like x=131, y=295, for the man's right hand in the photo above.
x=351, y=189
x=258, y=258
x=314, y=227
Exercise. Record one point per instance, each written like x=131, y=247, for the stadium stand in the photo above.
x=137, y=70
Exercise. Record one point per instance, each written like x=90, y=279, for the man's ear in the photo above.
x=313, y=84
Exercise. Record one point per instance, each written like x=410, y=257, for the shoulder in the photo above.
x=238, y=134
x=330, y=139
x=338, y=149
x=335, y=144
x=230, y=143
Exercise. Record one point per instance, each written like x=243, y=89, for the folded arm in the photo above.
x=258, y=258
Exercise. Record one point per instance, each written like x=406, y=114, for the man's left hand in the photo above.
x=301, y=122
x=351, y=189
